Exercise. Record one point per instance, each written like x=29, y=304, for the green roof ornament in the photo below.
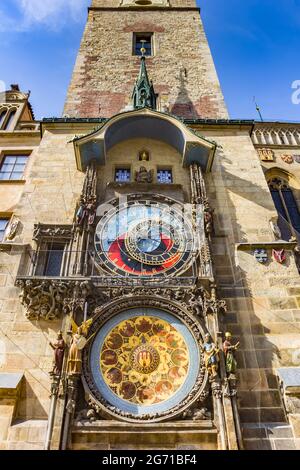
x=144, y=95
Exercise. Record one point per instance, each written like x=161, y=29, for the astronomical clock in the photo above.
x=144, y=362
x=144, y=238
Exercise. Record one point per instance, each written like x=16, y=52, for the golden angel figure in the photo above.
x=79, y=342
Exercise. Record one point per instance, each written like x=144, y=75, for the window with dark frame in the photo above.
x=10, y=119
x=286, y=206
x=13, y=167
x=165, y=176
x=54, y=260
x=122, y=175
x=3, y=113
x=3, y=227
x=142, y=40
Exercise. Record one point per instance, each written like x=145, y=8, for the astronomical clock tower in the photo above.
x=148, y=284
x=145, y=367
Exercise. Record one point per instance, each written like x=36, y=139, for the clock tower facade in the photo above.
x=140, y=258
x=179, y=60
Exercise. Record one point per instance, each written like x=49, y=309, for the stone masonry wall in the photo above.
x=263, y=300
x=106, y=69
x=117, y=3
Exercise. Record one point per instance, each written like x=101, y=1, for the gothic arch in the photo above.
x=279, y=173
x=284, y=188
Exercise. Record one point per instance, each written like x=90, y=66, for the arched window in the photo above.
x=286, y=205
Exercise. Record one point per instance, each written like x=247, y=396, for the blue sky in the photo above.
x=255, y=44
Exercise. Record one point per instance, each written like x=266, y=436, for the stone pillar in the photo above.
x=54, y=396
x=219, y=413
x=73, y=381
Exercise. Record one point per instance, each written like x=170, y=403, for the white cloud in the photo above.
x=52, y=14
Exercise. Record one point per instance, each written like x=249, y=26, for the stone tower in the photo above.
x=179, y=62
x=160, y=233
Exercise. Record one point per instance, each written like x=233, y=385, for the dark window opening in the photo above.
x=10, y=120
x=143, y=41
x=286, y=206
x=3, y=227
x=54, y=260
x=2, y=117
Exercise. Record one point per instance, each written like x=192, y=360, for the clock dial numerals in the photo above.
x=144, y=239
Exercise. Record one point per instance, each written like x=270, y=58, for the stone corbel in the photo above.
x=44, y=299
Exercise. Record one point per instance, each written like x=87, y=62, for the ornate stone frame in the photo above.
x=102, y=315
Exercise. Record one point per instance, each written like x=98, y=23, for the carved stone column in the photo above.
x=219, y=412
x=230, y=391
x=55, y=381
x=72, y=390
x=85, y=219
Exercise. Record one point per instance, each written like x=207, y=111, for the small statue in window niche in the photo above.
x=144, y=176
x=144, y=156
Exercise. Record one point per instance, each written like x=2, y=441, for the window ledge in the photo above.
x=12, y=181
x=7, y=246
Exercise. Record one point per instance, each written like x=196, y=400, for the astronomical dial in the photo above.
x=144, y=238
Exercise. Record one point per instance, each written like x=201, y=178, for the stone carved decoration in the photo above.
x=209, y=221
x=287, y=159
x=43, y=300
x=144, y=176
x=102, y=314
x=52, y=231
x=284, y=136
x=12, y=230
x=275, y=229
x=216, y=388
x=46, y=300
x=230, y=387
x=86, y=213
x=55, y=381
x=79, y=293
x=266, y=155
x=85, y=415
x=195, y=299
x=198, y=189
x=197, y=414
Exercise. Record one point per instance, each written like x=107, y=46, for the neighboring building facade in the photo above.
x=145, y=225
